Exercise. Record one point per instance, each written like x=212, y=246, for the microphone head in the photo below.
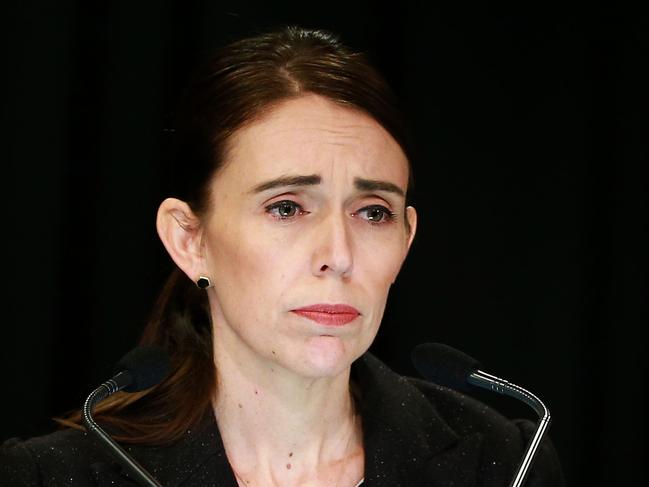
x=146, y=366
x=443, y=365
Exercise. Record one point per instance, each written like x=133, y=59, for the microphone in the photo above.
x=139, y=369
x=446, y=366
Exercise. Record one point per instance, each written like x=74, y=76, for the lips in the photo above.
x=329, y=314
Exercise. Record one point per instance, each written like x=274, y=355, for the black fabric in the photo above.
x=415, y=434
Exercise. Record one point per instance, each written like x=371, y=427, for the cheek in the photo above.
x=248, y=269
x=380, y=257
x=379, y=277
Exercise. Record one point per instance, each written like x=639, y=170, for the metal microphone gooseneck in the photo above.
x=143, y=367
x=501, y=386
x=446, y=366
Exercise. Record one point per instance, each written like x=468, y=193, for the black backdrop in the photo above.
x=532, y=251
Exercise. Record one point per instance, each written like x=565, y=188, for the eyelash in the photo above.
x=387, y=217
x=279, y=204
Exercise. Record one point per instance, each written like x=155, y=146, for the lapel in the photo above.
x=407, y=443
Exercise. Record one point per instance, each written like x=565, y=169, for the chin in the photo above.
x=327, y=356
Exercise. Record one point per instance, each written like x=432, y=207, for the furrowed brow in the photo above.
x=310, y=180
x=376, y=185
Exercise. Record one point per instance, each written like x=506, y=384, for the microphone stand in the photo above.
x=109, y=387
x=487, y=381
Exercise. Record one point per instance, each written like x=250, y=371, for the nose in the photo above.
x=333, y=249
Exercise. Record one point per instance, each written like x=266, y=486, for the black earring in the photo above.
x=203, y=282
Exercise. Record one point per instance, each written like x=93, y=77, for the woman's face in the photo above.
x=305, y=234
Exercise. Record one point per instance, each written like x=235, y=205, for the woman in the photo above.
x=288, y=226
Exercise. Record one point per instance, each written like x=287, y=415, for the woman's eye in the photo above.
x=284, y=209
x=376, y=214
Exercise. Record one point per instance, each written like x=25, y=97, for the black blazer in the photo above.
x=415, y=434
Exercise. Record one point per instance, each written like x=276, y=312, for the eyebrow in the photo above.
x=376, y=185
x=313, y=179
x=309, y=180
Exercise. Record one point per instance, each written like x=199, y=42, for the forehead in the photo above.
x=312, y=135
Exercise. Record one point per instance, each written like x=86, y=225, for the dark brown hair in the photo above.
x=237, y=86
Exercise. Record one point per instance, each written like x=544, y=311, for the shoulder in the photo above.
x=464, y=414
x=66, y=457
x=395, y=394
x=453, y=433
x=504, y=440
x=74, y=458
x=17, y=465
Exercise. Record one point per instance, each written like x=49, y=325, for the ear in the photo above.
x=411, y=216
x=180, y=232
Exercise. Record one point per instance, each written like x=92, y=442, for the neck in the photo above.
x=280, y=426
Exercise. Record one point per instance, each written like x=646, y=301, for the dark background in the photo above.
x=532, y=251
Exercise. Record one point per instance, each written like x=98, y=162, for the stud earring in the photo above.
x=203, y=282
